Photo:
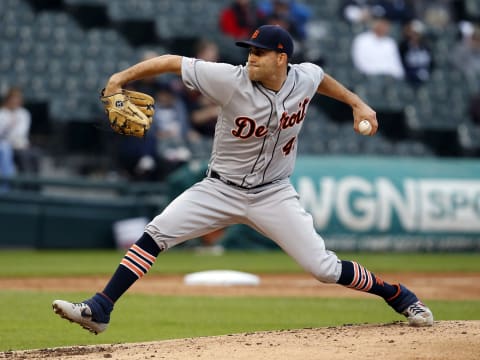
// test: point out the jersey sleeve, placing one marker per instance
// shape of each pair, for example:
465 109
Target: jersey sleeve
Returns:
314 72
217 81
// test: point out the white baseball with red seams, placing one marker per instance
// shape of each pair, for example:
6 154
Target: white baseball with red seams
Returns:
364 127
253 156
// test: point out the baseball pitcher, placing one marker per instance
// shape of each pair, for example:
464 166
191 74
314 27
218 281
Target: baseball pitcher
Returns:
263 107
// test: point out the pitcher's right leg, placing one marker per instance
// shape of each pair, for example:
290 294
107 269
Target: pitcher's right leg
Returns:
197 211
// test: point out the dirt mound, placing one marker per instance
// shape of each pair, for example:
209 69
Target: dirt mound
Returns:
459 340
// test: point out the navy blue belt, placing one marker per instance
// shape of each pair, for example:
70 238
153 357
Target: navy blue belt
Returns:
215 175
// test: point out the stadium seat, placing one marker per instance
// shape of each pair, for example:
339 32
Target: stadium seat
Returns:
86 2
468 134
49 53
472 8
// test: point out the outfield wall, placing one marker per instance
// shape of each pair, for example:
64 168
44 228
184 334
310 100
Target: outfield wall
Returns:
392 203
357 203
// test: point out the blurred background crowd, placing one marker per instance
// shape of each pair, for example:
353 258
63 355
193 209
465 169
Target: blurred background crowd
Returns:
416 62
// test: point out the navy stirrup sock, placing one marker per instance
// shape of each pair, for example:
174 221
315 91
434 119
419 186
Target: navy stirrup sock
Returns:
357 277
136 263
101 308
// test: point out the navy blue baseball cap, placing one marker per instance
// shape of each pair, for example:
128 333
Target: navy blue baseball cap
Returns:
271 37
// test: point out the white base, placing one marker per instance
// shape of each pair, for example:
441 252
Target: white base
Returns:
221 278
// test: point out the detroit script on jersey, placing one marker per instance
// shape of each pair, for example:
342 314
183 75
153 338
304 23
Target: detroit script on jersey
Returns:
246 127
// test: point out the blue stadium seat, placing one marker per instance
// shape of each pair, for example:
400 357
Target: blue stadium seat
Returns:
49 53
468 134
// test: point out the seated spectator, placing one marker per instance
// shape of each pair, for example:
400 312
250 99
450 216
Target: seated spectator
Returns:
172 129
416 55
474 109
295 16
239 19
15 121
466 55
375 52
137 158
356 11
165 146
436 15
362 11
7 166
399 11
147 85
203 112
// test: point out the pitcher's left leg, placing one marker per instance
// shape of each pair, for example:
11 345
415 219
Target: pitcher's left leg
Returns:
401 299
292 228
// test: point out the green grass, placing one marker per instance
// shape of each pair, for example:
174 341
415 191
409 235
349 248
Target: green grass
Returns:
27 321
68 263
148 317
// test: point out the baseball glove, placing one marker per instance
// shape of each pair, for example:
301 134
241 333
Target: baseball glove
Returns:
143 101
125 116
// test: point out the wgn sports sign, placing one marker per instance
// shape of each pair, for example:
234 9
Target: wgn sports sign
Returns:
392 203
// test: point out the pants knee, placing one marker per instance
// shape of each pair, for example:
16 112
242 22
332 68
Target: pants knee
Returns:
325 278
327 270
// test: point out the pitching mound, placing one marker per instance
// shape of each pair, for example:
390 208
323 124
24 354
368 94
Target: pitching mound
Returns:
459 340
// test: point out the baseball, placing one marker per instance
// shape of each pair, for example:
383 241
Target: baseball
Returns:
365 128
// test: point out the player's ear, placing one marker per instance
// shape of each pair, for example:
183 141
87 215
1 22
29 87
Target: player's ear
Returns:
282 58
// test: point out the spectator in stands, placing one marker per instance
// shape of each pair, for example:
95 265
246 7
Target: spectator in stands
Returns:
172 129
362 11
399 11
15 121
165 146
239 19
436 14
375 52
466 55
137 158
147 85
203 112
474 108
290 15
416 55
7 166
295 15
356 11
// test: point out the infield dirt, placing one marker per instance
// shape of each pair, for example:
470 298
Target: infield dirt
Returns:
459 340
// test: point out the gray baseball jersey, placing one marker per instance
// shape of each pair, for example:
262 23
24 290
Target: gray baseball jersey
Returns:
253 155
257 129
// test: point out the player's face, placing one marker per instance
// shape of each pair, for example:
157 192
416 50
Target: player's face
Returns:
263 65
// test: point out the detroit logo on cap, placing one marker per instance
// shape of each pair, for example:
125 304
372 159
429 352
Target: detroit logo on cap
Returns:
272 37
